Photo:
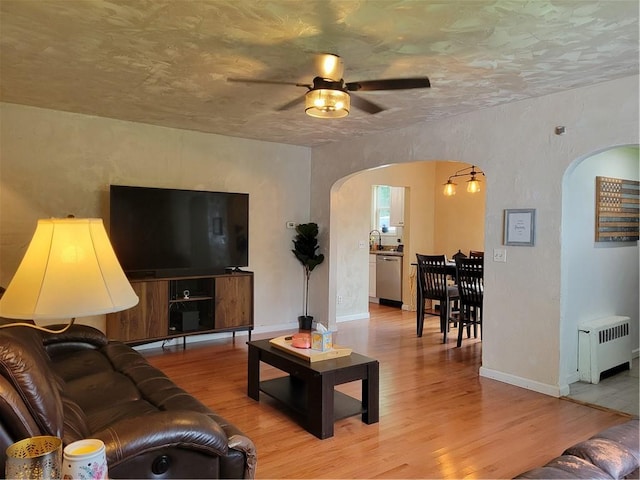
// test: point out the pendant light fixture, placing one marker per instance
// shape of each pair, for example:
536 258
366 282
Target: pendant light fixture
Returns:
473 184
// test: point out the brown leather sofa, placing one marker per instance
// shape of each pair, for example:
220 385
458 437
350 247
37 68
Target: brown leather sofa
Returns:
79 385
612 453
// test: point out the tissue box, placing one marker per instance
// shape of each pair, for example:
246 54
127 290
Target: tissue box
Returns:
321 341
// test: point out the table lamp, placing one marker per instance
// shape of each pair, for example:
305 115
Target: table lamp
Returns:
69 270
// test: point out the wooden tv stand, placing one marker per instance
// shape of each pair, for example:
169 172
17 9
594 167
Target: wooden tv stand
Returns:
184 306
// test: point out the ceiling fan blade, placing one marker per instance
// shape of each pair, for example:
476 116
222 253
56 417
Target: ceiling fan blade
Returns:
389 84
291 104
365 105
269 82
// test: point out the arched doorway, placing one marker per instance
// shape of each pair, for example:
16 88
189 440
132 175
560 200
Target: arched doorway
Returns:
433 224
598 279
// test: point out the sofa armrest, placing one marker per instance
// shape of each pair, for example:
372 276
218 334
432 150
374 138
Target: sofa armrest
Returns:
245 445
190 430
133 436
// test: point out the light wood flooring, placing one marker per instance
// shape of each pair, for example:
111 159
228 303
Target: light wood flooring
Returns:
438 418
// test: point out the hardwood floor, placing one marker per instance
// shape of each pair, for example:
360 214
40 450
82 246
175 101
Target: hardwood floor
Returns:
438 418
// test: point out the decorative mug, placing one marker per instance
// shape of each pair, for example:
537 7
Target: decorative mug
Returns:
85 460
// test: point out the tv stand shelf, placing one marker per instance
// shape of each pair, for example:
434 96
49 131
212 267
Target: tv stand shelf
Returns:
190 299
184 306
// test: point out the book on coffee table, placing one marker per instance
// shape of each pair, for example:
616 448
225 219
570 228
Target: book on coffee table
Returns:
284 343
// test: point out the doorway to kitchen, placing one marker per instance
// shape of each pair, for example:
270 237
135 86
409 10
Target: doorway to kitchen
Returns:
386 249
433 223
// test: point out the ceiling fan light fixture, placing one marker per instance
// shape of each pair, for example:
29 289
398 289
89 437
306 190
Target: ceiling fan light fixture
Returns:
329 66
327 103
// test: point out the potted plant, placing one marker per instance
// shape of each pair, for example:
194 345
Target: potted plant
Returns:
305 249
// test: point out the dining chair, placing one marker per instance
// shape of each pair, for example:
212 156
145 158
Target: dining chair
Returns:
476 254
458 254
470 275
433 284
453 257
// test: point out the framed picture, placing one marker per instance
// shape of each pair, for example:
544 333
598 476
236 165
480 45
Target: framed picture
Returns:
520 227
617 210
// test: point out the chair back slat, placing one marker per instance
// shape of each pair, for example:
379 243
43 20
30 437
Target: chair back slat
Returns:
432 276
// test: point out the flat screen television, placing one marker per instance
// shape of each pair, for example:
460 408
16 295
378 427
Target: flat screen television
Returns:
160 232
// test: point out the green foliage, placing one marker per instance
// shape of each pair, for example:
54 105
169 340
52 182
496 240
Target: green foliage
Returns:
305 248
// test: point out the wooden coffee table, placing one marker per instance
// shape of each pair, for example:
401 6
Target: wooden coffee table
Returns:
309 390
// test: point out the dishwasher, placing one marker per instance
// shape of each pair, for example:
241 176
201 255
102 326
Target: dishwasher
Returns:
389 277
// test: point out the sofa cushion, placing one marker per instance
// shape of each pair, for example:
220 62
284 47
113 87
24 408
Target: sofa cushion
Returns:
625 434
75 421
608 455
26 365
566 466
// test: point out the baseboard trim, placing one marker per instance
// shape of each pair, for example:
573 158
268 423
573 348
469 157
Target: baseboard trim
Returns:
355 316
551 390
573 378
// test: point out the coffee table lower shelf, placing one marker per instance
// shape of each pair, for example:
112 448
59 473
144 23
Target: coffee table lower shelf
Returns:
291 392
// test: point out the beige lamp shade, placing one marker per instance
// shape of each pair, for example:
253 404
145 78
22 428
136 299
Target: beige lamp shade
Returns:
69 270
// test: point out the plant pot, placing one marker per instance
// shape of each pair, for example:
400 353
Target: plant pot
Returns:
305 322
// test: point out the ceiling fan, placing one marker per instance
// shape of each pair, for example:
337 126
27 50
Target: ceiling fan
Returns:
329 96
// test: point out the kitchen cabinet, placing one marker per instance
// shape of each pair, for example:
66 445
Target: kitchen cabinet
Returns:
372 276
397 207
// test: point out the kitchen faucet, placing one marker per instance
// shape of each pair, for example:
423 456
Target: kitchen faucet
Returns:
379 238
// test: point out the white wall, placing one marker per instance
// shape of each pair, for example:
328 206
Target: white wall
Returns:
525 162
55 163
599 279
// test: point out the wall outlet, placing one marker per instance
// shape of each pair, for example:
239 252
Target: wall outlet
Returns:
362 244
339 299
291 224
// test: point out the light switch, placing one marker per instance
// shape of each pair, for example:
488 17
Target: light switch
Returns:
499 255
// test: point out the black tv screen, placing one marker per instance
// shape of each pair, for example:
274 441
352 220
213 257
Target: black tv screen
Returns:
159 232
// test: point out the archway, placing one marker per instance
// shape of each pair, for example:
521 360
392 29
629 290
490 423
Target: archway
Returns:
432 225
597 279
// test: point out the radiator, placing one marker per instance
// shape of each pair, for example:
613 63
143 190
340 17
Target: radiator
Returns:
603 344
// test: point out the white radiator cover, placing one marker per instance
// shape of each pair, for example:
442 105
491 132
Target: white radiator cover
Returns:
603 344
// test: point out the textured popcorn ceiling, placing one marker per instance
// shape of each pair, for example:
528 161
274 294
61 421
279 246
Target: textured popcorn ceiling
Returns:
166 62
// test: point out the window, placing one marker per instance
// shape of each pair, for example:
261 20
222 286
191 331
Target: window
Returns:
381 210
